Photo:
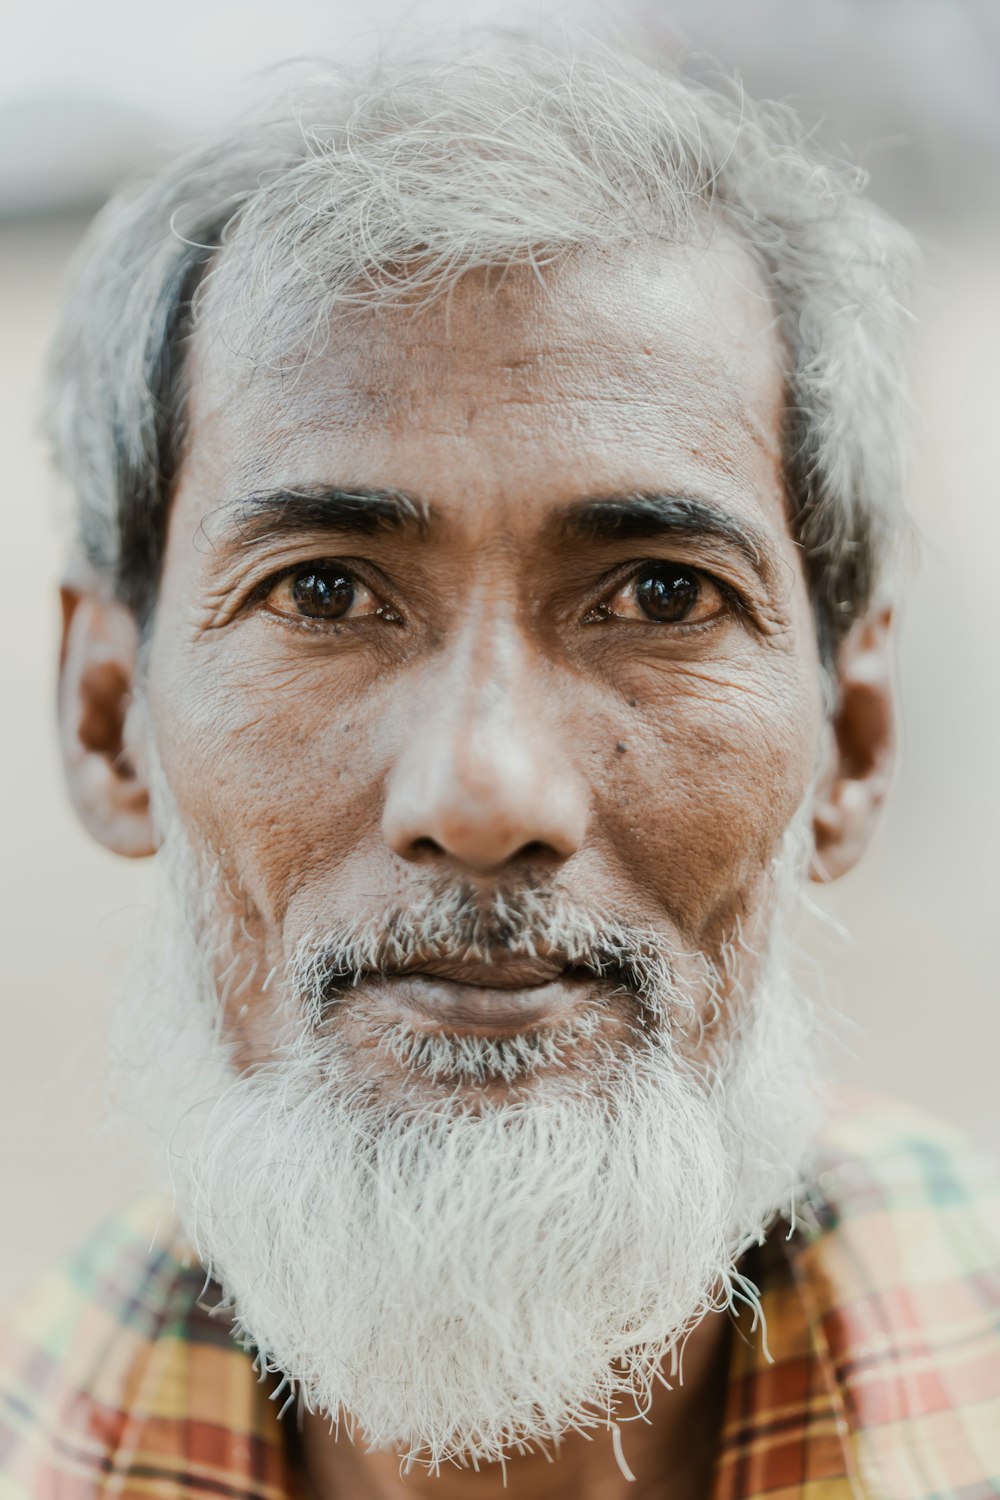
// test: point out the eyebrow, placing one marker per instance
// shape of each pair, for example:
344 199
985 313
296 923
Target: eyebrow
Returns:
355 510
363 511
637 517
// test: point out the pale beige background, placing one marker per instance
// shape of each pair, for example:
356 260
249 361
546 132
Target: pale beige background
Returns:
918 975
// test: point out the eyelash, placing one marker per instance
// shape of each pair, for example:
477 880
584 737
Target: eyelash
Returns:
360 572
734 601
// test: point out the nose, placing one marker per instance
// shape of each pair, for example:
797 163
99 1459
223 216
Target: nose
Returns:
485 780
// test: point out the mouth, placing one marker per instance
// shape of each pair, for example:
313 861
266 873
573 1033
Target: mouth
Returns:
501 996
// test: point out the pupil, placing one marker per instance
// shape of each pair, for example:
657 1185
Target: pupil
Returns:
667 594
324 594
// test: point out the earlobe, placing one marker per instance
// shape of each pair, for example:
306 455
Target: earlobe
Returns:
861 752
98 662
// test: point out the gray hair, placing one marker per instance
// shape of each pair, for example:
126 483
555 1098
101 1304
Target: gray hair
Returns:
349 190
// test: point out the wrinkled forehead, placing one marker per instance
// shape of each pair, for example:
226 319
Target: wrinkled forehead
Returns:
664 352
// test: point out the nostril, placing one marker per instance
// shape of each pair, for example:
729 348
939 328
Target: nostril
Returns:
426 846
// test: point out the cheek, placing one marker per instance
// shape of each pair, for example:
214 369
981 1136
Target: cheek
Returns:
713 770
271 767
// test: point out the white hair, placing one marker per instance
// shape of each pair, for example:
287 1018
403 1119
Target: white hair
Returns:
355 189
464 1276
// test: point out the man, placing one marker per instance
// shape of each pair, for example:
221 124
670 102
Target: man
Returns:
487 477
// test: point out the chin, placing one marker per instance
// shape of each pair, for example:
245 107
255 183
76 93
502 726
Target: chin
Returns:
414 1059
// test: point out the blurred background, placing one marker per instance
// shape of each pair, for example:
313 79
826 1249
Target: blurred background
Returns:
906 947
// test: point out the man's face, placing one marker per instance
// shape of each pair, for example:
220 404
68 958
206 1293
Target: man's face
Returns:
581 660
482 713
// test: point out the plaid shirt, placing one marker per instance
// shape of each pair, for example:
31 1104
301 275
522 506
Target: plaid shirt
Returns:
876 1372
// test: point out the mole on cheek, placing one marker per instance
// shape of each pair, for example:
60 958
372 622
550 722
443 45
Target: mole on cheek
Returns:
621 747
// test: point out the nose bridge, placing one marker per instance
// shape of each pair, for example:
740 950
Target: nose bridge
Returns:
493 679
484 774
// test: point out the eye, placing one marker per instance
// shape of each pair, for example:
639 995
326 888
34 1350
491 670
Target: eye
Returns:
322 591
664 593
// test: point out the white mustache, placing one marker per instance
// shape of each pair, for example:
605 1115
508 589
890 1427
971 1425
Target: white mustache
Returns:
448 929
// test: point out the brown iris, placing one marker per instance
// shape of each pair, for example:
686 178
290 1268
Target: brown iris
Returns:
323 593
667 593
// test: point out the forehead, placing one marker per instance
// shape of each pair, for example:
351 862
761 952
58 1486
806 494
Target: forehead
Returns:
656 367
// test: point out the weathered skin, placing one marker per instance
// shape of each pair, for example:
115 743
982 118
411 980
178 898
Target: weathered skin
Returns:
498 725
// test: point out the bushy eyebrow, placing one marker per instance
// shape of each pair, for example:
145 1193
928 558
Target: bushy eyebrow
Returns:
641 517
356 510
363 511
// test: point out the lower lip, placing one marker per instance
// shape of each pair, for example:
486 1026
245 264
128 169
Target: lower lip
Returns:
478 1009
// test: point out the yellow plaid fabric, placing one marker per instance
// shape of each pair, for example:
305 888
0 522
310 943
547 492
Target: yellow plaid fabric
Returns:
874 1373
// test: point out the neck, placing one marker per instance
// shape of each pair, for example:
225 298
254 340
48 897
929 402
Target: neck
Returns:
674 1445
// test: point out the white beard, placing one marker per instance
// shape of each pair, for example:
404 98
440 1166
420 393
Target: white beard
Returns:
463 1283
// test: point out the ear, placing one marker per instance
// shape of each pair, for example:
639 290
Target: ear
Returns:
97 667
861 751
